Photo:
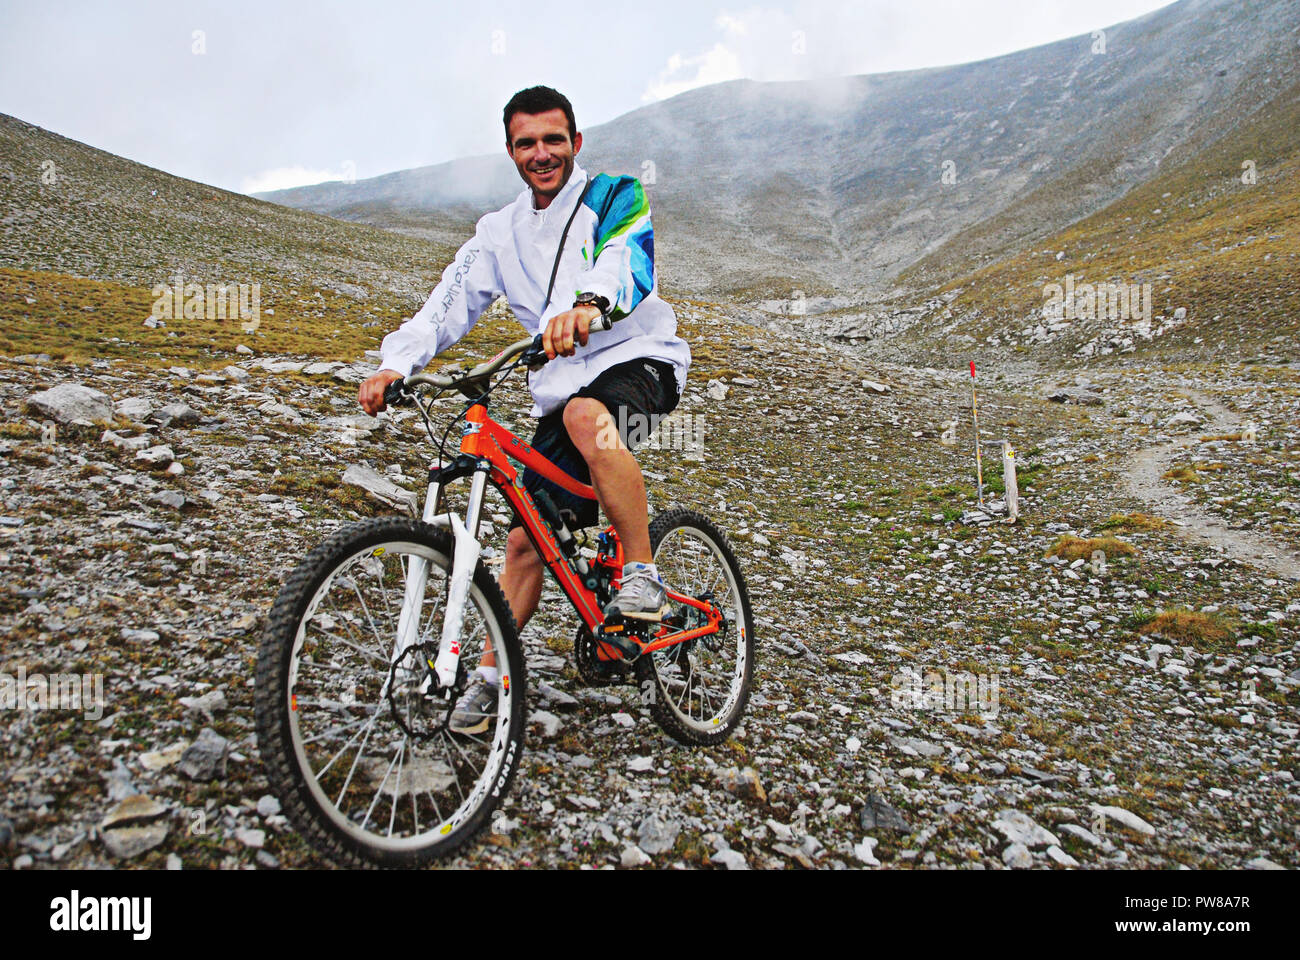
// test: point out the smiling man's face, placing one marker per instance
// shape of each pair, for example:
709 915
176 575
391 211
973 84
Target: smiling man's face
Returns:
540 147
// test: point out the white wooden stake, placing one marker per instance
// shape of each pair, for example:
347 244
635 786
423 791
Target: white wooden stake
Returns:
975 417
1009 480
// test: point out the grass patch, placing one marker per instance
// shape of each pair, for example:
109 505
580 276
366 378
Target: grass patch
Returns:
1138 619
1221 436
1189 626
1182 474
1075 548
20 431
1134 521
1026 474
76 319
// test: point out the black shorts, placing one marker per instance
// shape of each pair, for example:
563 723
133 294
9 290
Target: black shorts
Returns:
638 394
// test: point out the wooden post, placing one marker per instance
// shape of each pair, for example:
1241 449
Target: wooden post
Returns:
975 416
1009 480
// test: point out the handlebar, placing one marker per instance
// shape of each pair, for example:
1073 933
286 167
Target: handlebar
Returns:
398 392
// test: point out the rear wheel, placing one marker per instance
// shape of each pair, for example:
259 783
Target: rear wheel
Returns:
697 690
360 756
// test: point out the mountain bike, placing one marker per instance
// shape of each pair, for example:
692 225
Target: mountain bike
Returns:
373 637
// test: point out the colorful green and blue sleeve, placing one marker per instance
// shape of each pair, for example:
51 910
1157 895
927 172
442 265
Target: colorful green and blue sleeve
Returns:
623 258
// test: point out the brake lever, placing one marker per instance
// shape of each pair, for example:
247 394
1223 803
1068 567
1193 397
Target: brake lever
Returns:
396 394
534 358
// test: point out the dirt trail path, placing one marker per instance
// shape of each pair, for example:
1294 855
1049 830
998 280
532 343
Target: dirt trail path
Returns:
1143 478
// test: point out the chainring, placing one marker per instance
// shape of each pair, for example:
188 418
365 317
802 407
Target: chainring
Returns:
594 671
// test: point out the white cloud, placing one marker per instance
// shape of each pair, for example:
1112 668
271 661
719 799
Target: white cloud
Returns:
715 65
816 39
281 178
758 43
732 25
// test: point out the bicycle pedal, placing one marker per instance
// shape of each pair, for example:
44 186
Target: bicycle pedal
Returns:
625 636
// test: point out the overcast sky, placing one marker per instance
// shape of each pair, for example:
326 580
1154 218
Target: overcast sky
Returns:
256 96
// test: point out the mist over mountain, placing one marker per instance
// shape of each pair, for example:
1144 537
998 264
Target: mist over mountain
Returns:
838 187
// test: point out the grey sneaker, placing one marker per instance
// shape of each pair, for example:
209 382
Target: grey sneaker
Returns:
640 597
476 707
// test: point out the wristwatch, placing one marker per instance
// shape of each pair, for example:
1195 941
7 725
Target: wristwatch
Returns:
593 300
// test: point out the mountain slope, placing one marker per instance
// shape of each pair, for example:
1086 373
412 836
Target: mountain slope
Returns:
1225 251
88 231
835 187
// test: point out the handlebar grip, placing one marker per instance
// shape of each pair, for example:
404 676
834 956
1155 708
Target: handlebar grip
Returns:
395 394
534 357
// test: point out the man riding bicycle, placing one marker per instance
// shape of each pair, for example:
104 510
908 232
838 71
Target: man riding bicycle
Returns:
567 250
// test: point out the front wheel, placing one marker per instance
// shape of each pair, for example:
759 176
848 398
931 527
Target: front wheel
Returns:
697 690
357 750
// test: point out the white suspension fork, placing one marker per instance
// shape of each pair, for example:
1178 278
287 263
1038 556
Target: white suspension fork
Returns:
465 554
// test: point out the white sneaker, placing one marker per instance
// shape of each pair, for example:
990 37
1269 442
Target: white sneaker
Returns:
640 597
476 707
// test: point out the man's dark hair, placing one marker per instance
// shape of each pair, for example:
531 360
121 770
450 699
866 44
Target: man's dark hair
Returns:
539 100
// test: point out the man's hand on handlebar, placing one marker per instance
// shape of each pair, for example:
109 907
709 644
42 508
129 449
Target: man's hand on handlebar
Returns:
564 333
371 394
564 330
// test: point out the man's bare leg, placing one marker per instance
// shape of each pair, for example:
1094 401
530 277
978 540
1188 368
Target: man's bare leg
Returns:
614 473
521 582
616 476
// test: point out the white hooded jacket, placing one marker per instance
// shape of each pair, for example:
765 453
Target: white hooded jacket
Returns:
609 251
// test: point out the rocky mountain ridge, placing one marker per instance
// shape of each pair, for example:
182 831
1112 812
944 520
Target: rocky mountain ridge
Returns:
840 187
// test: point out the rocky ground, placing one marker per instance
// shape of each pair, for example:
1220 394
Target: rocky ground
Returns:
1140 707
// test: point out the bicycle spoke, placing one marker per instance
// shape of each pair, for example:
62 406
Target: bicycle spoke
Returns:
415 803
397 792
349 643
355 760
354 745
713 584
369 724
451 762
375 800
437 811
388 603
704 689
366 609
348 626
333 731
321 666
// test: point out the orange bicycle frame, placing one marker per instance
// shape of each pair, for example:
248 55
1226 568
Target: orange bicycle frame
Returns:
490 444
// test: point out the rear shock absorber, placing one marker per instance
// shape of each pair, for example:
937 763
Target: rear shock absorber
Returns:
563 535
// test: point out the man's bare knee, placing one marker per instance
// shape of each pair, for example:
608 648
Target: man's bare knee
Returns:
519 550
591 426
